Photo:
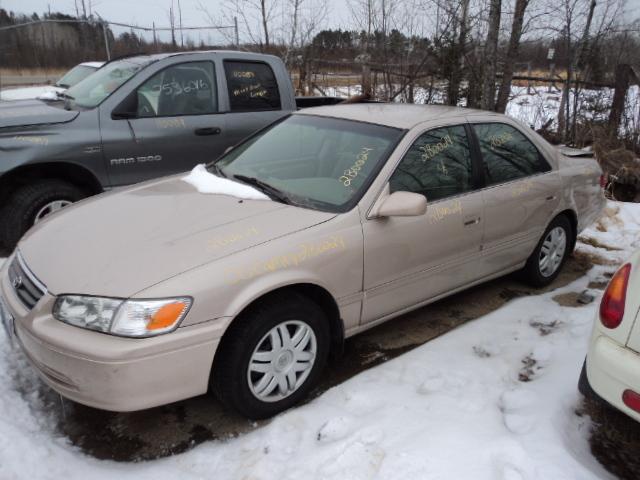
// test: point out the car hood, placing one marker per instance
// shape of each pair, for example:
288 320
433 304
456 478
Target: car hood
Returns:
32 112
120 243
27 93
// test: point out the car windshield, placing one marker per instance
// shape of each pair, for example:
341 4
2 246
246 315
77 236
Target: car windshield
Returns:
94 89
316 162
73 76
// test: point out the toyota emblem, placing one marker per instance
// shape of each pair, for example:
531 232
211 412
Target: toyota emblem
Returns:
17 281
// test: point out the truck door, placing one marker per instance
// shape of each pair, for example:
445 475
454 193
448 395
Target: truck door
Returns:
176 124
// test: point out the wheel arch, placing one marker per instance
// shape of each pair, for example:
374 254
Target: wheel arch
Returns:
572 216
73 173
312 291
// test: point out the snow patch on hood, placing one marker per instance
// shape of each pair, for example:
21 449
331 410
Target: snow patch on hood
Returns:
207 182
49 95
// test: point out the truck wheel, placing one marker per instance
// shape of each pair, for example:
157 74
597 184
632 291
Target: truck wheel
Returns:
544 264
272 356
30 203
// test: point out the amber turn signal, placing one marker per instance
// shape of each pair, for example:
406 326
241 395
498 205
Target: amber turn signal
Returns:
166 316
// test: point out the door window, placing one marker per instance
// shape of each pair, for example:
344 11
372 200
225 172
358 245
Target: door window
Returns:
438 165
507 153
252 86
183 89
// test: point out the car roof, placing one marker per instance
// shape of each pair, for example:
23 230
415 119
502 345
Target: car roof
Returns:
397 115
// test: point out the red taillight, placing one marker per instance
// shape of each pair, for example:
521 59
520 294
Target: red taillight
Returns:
603 180
613 300
632 400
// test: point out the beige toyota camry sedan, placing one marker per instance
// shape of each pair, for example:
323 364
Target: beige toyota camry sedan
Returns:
243 276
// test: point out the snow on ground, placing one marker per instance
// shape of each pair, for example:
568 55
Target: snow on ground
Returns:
456 407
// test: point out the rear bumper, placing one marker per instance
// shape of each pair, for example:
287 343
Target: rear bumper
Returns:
610 370
109 372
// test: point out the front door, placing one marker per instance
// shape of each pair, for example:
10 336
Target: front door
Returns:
408 260
176 125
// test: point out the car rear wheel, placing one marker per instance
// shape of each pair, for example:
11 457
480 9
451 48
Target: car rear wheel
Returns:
30 204
272 356
545 263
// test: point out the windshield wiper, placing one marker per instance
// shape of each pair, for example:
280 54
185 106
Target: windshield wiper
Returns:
270 190
65 95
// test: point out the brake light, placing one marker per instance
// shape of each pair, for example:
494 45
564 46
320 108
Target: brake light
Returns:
632 400
612 305
603 180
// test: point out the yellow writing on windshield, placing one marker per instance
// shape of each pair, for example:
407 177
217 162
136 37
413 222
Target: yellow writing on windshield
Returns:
354 170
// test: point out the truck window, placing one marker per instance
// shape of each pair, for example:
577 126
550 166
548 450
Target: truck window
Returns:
252 86
183 89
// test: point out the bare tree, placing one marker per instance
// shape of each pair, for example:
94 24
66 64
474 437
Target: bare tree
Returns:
491 56
512 54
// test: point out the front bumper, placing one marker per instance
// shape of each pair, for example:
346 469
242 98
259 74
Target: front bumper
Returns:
610 370
109 372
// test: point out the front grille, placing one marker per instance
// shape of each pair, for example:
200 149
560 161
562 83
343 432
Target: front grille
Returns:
25 284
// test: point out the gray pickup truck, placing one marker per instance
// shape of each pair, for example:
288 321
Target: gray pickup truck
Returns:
135 119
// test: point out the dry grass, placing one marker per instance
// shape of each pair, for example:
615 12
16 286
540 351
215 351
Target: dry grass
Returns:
21 72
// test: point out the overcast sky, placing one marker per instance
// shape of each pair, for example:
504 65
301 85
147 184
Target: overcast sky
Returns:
144 12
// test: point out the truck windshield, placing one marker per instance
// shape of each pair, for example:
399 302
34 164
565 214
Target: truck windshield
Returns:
315 162
94 89
75 75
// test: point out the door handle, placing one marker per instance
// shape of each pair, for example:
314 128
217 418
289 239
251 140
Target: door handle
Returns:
472 221
207 131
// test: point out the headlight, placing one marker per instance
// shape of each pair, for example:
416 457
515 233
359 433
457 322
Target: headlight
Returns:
130 318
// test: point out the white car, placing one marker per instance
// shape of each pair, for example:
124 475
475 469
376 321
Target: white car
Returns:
612 368
50 92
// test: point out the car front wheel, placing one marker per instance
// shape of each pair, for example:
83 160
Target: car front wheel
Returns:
272 356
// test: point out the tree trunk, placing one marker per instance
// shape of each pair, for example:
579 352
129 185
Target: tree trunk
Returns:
491 56
265 27
623 72
458 57
512 53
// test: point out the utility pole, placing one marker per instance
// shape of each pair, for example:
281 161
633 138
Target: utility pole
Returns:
237 34
180 19
106 39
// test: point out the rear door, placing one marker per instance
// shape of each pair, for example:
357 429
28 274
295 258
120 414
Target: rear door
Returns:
408 260
521 194
177 125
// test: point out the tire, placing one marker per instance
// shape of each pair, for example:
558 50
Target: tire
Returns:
533 273
236 386
26 202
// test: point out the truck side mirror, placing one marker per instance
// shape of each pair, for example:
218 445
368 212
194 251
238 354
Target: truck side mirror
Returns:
127 109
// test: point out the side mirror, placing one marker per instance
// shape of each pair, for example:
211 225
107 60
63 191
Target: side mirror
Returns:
403 204
127 109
